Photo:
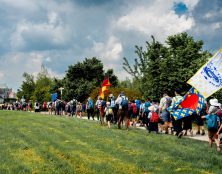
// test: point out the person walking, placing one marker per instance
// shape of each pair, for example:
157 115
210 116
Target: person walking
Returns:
98 107
199 121
36 106
177 124
89 108
79 110
109 113
122 113
165 102
213 123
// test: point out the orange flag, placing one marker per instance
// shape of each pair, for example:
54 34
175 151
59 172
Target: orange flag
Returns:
105 87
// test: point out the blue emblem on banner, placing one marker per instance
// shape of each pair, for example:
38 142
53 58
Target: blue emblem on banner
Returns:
211 75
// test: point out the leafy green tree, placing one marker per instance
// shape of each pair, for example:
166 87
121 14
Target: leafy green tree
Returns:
146 69
27 88
161 67
43 85
82 78
185 59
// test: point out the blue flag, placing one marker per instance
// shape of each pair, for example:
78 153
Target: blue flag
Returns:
190 104
54 96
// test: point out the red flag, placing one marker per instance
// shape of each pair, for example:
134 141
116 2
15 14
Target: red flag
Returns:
106 82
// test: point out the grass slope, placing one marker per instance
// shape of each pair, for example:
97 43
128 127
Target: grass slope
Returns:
33 143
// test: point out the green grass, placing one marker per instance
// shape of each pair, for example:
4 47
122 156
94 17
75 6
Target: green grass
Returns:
33 143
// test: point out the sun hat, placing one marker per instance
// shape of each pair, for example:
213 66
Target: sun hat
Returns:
151 108
214 102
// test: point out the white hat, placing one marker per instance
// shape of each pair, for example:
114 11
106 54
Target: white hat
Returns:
151 108
214 102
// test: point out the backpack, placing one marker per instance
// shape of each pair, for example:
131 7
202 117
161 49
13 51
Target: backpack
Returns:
168 102
124 102
130 108
212 122
113 103
134 108
138 104
90 104
147 104
154 117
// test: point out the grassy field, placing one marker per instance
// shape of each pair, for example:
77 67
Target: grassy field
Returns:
33 143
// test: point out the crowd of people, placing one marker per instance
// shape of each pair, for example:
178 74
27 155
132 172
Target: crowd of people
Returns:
151 114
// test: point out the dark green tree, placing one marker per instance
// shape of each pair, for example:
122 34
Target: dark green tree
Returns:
112 77
82 78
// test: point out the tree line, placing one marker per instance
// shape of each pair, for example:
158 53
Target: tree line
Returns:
157 68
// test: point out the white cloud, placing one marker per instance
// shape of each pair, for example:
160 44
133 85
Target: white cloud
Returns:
109 51
53 74
217 25
39 36
15 64
158 20
212 14
28 5
208 15
122 75
60 33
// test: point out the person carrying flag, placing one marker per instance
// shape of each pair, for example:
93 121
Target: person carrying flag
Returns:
165 102
177 124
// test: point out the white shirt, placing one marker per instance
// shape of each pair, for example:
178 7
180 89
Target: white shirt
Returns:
36 107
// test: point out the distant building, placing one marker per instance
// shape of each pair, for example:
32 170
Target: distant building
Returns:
6 93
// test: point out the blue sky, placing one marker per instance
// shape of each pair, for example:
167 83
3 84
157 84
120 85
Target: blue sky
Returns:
58 33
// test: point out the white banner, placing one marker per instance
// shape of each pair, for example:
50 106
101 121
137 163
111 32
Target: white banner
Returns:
208 79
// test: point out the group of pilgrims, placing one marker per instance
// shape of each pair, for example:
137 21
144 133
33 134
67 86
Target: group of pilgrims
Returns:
151 114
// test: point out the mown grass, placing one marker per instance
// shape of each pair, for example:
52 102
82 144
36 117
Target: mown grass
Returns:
34 143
